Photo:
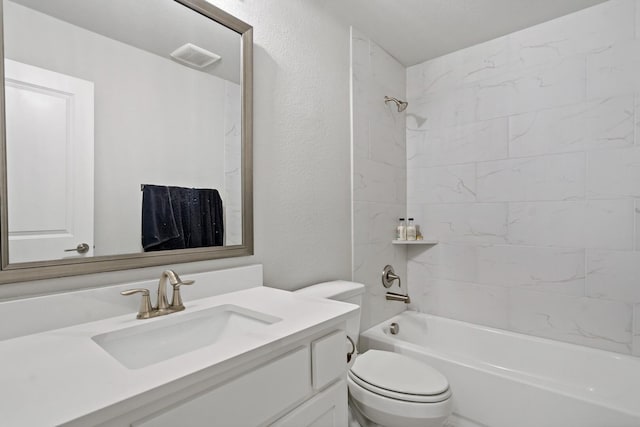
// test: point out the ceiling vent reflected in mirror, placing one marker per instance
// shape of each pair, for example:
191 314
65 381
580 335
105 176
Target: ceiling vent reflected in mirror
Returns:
194 56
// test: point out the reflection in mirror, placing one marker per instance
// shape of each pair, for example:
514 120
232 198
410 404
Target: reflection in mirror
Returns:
120 138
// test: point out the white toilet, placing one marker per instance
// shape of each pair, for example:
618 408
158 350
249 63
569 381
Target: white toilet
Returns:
385 388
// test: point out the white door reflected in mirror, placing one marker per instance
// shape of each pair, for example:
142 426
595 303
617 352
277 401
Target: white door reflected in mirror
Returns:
49 165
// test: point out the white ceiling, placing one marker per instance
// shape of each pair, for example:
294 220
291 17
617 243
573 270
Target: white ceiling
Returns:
414 31
151 25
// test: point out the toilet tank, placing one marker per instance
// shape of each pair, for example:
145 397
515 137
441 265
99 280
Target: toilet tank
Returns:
339 290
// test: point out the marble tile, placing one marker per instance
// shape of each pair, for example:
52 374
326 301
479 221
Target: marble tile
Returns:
579 320
469 143
444 261
458 68
613 275
232 165
614 70
375 222
432 76
360 54
469 302
377 182
614 174
445 109
605 123
387 139
360 133
444 184
485 60
422 266
379 173
637 224
553 177
387 72
360 87
465 222
376 309
637 113
415 149
532 89
548 117
552 270
414 79
596 224
587 30
369 260
636 330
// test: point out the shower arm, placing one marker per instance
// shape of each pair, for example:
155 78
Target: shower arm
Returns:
402 105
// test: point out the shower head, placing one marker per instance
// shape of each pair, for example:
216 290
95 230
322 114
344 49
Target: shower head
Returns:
402 105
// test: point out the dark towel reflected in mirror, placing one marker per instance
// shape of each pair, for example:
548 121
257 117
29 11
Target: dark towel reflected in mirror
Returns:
181 218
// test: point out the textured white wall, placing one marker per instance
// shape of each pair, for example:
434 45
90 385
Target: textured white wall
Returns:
379 174
301 141
523 160
302 152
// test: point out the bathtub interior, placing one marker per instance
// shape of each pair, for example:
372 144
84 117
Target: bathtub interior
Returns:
601 377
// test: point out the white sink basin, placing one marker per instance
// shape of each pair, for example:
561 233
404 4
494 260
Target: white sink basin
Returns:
148 343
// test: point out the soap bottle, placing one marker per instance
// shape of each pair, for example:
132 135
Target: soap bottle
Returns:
401 230
411 230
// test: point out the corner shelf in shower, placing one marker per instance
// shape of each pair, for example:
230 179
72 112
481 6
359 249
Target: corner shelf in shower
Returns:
415 242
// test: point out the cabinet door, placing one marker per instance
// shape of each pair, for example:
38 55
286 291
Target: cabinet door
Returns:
328 359
326 409
247 401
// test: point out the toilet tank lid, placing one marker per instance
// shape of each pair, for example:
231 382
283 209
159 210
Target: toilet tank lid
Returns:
337 290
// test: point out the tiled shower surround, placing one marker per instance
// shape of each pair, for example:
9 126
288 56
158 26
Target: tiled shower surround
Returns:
523 160
379 173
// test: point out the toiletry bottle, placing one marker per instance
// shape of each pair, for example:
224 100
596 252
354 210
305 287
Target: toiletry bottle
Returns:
401 230
411 230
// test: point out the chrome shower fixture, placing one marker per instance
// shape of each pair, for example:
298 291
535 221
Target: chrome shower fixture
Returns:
402 105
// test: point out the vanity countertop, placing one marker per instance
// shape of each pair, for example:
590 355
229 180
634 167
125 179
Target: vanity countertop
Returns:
54 377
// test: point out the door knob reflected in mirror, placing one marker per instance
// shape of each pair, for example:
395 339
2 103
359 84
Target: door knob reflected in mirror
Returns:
82 248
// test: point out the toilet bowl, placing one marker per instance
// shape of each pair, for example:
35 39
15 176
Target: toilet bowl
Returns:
388 389
391 389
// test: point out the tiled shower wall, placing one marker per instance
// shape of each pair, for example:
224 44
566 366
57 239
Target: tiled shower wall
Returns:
524 161
379 173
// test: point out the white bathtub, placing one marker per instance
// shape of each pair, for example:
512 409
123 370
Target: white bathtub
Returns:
505 379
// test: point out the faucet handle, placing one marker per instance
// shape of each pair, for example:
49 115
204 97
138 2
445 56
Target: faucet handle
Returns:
388 277
146 308
176 298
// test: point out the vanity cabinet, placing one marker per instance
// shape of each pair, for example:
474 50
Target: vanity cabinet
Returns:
247 400
253 357
327 409
303 385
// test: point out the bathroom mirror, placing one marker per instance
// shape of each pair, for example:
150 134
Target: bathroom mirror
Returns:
126 136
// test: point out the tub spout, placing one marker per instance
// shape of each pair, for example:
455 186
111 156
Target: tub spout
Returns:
392 296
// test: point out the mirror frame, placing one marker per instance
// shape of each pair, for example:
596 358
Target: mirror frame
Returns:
20 272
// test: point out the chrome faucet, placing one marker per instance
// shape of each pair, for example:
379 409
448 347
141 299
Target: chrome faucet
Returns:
388 277
162 306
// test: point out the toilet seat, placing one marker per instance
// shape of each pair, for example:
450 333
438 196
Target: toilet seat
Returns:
399 377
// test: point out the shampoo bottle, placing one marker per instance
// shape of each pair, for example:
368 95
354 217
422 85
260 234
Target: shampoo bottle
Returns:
411 230
401 230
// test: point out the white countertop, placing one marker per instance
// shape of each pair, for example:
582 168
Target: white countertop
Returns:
54 377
